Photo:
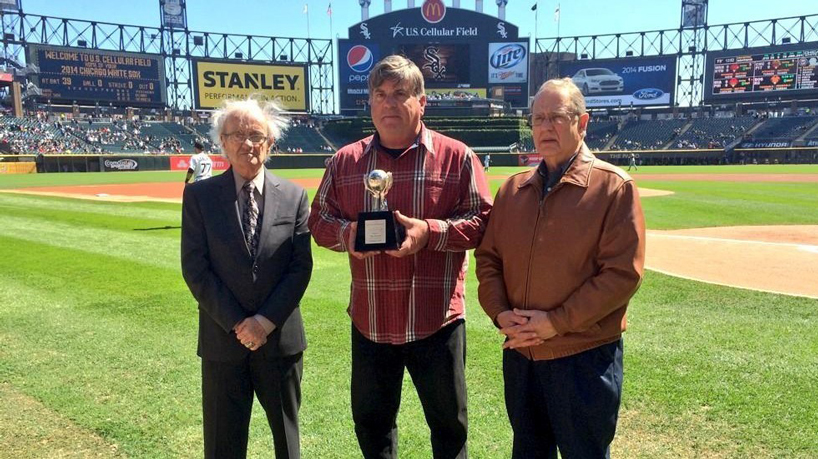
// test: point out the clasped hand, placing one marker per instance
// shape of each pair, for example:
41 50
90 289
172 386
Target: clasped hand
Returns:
251 334
525 327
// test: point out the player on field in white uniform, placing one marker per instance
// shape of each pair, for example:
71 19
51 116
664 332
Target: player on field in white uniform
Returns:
201 166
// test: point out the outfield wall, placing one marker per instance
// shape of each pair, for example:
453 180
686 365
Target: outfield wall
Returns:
146 162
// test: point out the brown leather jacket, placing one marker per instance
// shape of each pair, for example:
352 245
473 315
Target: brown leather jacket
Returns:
578 254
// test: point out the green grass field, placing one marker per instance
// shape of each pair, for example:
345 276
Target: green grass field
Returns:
98 338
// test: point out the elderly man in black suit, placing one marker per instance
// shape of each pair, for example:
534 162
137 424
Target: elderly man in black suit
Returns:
246 258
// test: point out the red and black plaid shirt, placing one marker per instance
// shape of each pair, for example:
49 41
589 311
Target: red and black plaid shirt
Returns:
438 179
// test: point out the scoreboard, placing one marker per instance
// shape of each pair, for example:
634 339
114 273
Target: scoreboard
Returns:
94 76
789 71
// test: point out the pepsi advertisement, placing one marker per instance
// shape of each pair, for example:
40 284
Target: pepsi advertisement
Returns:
354 65
637 82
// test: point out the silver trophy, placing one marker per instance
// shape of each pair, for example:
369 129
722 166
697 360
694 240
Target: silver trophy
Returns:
377 229
378 183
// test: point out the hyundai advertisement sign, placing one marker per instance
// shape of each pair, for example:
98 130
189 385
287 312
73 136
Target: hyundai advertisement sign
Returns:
508 62
357 59
638 82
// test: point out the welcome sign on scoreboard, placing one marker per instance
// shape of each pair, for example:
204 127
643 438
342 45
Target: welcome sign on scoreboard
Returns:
91 76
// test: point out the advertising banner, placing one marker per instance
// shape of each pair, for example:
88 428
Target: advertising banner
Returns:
637 81
529 160
173 13
508 62
218 80
354 63
182 162
18 168
90 76
120 164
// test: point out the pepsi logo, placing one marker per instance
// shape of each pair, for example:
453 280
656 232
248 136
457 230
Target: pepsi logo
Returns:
508 56
360 59
433 11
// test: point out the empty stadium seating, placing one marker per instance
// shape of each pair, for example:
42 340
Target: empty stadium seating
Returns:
713 132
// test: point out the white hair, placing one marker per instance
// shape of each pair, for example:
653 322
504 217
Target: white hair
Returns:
268 111
570 88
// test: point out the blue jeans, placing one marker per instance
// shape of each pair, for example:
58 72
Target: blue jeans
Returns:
571 403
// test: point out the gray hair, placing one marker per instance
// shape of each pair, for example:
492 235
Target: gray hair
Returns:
397 69
269 111
566 85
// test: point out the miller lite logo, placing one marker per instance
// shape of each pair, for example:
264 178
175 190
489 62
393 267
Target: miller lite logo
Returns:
360 59
433 11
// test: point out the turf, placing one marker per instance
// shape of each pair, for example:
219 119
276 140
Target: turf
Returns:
98 330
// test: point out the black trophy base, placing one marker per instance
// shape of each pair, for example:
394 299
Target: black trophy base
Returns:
378 231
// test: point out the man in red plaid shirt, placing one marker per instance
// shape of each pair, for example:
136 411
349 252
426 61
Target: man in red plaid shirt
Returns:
407 305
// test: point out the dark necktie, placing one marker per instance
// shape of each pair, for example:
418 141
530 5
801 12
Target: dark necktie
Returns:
249 219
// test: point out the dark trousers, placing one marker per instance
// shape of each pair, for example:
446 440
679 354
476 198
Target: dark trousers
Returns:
227 399
437 367
571 403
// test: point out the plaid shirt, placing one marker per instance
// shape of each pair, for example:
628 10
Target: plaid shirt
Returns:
438 179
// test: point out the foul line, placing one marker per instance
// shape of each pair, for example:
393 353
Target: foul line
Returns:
776 292
806 247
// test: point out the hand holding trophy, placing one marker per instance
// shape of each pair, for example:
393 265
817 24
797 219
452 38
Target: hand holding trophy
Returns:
377 229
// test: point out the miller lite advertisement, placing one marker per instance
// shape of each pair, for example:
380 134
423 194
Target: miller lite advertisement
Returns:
508 62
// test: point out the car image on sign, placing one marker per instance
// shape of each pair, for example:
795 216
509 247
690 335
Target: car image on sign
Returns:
598 80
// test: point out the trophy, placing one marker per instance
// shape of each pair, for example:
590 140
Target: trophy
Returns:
377 229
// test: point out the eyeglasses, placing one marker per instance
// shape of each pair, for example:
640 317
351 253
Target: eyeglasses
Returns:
240 137
555 119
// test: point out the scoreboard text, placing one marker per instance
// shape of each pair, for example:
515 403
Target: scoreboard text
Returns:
86 76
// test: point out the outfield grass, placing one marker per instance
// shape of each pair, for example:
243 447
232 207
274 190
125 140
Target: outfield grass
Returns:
98 336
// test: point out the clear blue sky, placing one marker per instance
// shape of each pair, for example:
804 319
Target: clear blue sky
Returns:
285 18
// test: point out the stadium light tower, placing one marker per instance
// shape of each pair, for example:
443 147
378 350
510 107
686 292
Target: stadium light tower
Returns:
364 9
387 6
501 9
478 6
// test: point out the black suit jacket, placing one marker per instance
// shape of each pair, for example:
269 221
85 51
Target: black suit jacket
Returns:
227 284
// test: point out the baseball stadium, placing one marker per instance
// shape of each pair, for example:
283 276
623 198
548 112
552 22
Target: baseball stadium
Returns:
717 123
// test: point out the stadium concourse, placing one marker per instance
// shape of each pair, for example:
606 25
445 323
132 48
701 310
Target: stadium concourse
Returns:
762 137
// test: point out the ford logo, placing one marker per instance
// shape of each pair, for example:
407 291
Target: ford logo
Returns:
648 94
508 56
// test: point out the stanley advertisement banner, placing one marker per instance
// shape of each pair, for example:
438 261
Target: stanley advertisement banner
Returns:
216 81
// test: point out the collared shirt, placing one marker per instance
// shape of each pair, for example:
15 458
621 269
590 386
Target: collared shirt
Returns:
550 179
258 181
438 179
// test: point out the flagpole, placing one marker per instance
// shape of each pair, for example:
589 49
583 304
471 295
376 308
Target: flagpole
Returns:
307 10
536 23
558 20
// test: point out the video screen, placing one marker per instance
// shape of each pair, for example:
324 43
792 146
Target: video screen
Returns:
781 71
81 75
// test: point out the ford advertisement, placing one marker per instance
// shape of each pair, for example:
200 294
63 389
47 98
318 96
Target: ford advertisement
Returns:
626 82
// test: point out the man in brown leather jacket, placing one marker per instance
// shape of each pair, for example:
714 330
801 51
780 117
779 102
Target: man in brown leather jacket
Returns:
562 255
